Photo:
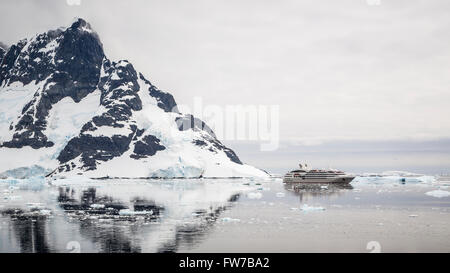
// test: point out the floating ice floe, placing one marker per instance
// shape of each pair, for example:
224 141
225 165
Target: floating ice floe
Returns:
35 205
45 212
305 207
394 179
280 194
438 193
13 197
413 215
97 206
231 220
254 195
131 212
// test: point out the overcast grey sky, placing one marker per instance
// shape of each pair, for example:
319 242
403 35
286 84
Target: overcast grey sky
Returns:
340 70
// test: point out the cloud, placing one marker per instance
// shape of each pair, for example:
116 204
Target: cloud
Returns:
338 69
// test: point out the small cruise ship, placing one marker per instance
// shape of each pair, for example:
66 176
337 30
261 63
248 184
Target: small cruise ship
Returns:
306 175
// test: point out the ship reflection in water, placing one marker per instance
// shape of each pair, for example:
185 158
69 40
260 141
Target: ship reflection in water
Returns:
307 191
133 217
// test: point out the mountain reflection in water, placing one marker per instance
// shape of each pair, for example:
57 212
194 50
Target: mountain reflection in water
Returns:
141 217
219 215
30 231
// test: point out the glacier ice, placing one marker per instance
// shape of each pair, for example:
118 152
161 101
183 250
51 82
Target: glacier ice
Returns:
24 172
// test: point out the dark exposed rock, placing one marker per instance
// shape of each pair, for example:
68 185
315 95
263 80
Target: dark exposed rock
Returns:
74 54
34 139
210 140
119 96
148 146
94 148
120 85
188 121
200 142
230 153
165 100
119 88
8 62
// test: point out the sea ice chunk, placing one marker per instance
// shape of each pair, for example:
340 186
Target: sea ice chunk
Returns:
45 212
254 195
305 207
228 219
280 194
97 206
35 205
130 212
438 193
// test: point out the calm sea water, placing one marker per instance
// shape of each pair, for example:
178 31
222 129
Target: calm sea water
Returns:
224 215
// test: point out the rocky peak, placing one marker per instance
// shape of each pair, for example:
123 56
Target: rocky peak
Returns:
3 49
81 24
75 51
65 62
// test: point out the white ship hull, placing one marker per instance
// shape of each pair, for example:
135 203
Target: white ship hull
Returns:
306 179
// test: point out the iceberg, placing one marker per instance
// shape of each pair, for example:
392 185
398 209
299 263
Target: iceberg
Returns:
24 172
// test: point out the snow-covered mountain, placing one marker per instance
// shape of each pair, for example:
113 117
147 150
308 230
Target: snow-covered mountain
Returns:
67 108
